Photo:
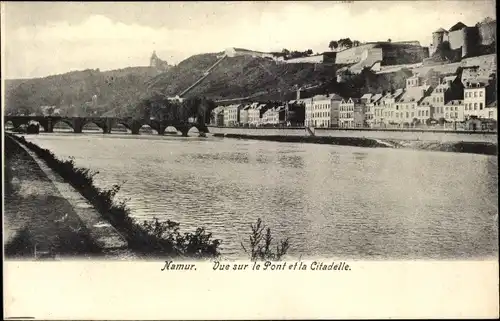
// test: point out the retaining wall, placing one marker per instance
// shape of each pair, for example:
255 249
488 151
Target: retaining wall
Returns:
423 135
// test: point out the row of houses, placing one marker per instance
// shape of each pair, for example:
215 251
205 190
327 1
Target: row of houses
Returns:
423 101
258 114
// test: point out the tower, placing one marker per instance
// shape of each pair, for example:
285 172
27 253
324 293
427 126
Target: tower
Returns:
153 61
438 37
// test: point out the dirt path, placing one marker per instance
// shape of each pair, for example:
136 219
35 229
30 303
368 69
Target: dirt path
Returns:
36 216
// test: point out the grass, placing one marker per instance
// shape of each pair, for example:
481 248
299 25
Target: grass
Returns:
150 238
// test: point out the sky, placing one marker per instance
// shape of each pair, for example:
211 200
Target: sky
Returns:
46 38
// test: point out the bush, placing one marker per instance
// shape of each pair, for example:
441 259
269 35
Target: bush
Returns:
260 244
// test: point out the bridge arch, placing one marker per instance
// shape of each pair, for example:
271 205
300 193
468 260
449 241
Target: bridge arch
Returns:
121 127
9 124
171 130
90 123
59 124
147 129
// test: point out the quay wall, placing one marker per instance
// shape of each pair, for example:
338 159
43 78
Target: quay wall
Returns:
422 135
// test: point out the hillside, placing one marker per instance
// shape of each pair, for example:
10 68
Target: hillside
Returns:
118 92
240 76
73 92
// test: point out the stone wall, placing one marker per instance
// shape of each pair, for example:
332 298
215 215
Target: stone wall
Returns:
488 32
442 136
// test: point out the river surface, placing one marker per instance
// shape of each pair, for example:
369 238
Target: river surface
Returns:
331 201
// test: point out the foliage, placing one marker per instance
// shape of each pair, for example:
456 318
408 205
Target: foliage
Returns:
260 247
333 45
195 245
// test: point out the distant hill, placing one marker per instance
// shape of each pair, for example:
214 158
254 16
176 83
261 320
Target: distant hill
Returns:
79 92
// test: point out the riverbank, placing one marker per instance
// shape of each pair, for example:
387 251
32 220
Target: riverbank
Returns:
484 148
149 239
38 221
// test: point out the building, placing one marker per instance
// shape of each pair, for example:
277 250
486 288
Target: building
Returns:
450 88
295 113
244 119
352 113
217 116
232 115
490 112
323 111
406 108
477 94
370 102
385 108
454 111
467 40
255 114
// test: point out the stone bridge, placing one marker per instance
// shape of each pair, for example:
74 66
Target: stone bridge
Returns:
105 123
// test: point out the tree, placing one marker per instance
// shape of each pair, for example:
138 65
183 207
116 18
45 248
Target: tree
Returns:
389 40
347 43
286 52
356 43
309 52
333 45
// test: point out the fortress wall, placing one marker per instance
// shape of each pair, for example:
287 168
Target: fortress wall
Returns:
488 32
488 61
456 39
311 59
352 55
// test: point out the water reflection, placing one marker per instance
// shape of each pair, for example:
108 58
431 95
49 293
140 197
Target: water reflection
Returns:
330 200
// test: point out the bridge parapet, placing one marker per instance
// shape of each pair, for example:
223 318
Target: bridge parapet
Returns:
106 123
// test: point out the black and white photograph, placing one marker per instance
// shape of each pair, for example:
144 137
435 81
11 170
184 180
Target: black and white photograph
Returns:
271 132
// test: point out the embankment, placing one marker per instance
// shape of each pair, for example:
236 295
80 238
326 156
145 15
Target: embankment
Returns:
147 239
384 134
348 141
485 148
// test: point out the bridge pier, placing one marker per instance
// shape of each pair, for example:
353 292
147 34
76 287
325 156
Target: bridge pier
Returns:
161 129
136 127
184 131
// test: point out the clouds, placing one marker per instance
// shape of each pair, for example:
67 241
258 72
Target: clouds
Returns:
109 39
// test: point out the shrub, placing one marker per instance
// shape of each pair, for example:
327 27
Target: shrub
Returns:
260 244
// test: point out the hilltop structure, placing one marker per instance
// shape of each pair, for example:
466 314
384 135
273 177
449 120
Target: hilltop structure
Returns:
467 40
157 63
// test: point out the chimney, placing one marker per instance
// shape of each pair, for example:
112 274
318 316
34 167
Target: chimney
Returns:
298 93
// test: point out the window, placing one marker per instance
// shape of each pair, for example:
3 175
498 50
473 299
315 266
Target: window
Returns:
456 115
481 93
475 106
446 115
475 94
480 106
426 113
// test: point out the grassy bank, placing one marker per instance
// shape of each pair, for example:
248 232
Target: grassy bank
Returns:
38 222
347 141
150 238
483 148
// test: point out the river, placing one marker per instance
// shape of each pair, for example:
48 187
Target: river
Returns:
331 201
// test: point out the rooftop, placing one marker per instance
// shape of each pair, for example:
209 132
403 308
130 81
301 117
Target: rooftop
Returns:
440 30
455 102
458 26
